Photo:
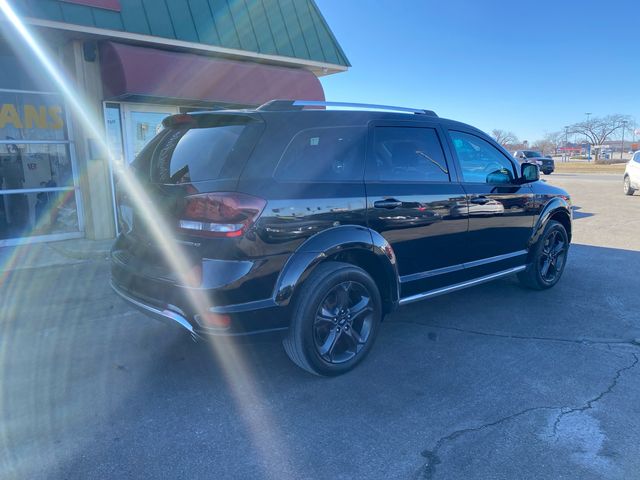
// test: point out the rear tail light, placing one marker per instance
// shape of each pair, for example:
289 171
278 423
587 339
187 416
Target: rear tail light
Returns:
220 214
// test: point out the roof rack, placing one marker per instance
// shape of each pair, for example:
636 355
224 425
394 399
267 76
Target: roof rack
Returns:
285 105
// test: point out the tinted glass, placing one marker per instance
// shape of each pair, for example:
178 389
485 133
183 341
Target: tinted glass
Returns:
408 154
481 162
530 154
636 157
192 155
331 154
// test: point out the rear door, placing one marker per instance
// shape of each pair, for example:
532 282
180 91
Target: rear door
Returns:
501 211
416 203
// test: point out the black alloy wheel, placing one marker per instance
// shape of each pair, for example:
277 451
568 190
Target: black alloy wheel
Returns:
343 322
336 315
554 254
547 258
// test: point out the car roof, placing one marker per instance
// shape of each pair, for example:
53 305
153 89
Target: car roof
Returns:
343 117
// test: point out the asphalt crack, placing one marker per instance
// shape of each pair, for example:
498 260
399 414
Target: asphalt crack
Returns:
589 404
578 341
433 459
429 469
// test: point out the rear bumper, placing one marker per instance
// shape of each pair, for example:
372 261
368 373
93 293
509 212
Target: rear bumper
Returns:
246 319
240 291
166 315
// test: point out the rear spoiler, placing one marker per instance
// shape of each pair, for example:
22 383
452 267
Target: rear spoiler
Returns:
205 119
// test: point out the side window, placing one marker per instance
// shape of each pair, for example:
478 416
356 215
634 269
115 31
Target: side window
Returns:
636 157
408 154
481 162
328 154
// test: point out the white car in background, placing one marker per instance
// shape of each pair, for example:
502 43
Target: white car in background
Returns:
632 175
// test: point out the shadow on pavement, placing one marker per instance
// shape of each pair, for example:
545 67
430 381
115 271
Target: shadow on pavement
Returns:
577 214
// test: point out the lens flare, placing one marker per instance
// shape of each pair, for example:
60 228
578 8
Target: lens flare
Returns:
267 441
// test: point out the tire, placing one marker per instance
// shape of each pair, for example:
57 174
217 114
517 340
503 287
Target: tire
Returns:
547 172
323 338
548 258
626 186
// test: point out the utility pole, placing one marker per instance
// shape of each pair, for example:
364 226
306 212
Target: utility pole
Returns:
566 142
624 124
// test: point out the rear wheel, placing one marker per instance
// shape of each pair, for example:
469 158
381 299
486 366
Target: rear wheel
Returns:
626 186
335 320
548 258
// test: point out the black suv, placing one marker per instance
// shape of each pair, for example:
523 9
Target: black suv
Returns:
547 165
319 222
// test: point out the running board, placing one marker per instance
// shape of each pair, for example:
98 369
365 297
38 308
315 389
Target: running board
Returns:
460 286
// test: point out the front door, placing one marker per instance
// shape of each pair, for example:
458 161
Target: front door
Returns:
501 211
416 204
141 124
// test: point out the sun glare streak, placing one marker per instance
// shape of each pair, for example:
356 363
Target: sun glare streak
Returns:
267 440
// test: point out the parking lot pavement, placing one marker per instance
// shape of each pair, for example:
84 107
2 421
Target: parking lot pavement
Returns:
491 382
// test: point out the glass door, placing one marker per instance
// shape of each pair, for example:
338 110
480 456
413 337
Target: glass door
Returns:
141 124
129 128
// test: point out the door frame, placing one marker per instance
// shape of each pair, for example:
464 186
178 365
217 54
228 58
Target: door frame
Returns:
125 138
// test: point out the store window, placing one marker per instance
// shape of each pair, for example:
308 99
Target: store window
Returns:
37 181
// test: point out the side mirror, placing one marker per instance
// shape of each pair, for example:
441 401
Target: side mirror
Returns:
530 173
499 177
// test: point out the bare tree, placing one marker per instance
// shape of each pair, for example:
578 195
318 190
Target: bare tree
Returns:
504 137
600 129
549 144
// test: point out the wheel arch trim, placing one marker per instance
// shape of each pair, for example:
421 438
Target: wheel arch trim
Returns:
556 205
331 242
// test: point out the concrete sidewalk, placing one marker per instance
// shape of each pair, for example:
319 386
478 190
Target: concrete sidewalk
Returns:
36 255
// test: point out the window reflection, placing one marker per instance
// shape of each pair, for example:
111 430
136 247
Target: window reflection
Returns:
38 213
34 166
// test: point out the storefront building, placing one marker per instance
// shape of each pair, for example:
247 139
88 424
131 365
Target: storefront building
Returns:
129 64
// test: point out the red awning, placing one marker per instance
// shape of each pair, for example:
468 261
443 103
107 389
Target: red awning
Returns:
129 71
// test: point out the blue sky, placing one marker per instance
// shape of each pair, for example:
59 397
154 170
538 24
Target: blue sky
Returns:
527 66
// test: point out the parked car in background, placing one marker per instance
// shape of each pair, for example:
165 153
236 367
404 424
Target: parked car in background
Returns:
631 179
319 222
546 164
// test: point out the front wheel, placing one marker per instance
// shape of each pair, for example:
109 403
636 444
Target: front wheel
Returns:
336 317
548 258
626 186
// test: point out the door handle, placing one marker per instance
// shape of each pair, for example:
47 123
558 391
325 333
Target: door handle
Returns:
480 200
387 203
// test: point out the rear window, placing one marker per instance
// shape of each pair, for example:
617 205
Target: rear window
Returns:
327 154
193 154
